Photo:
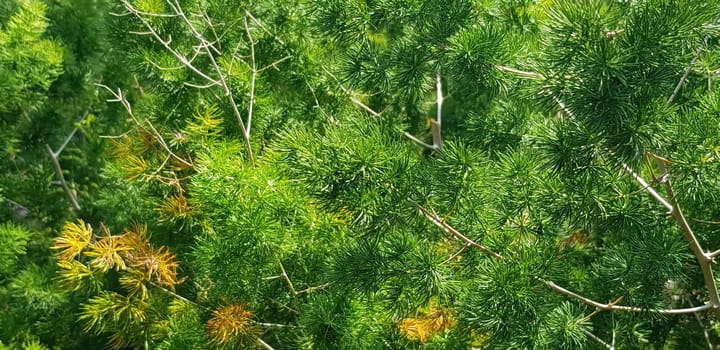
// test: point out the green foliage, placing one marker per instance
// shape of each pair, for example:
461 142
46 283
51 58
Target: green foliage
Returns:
29 63
258 187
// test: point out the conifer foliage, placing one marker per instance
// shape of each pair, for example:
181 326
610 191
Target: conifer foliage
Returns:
355 174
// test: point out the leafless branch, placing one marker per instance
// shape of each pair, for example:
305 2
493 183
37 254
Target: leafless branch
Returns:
451 257
647 187
312 289
353 99
705 332
439 222
274 64
55 158
264 345
122 100
597 339
519 73
435 125
686 73
612 307
253 67
287 279
705 260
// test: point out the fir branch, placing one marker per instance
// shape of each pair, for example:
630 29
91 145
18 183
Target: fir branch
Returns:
552 285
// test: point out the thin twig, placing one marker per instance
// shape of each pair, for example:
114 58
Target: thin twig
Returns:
419 142
55 157
705 332
611 307
439 222
648 188
178 296
353 99
686 73
597 339
252 77
312 289
519 73
124 102
287 279
451 257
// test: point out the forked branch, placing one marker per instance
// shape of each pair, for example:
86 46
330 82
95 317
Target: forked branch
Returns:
55 157
704 259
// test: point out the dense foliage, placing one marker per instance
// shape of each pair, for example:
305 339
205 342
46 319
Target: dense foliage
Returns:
356 174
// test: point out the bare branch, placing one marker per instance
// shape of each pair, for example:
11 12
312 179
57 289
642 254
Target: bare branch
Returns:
420 142
287 279
439 222
264 345
178 296
519 73
705 260
166 43
451 257
252 77
312 289
274 64
612 307
597 339
435 125
647 187
120 98
353 99
705 332
686 73
55 158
